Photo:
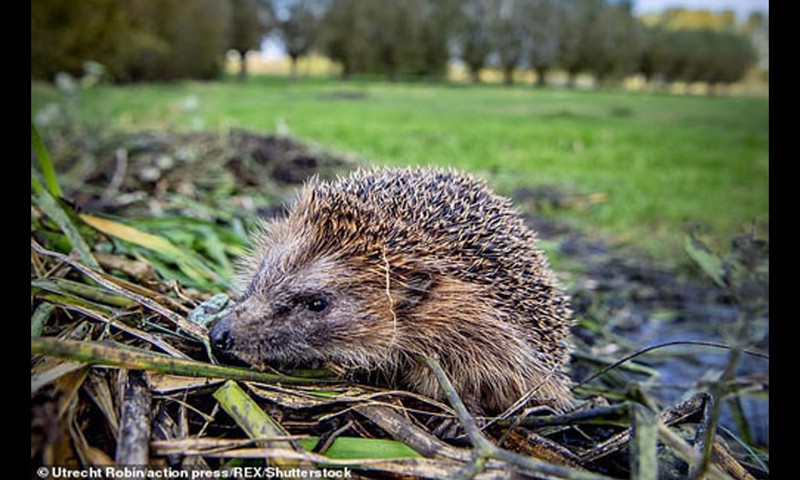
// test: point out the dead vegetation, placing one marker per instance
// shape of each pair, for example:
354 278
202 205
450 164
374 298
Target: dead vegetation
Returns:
144 232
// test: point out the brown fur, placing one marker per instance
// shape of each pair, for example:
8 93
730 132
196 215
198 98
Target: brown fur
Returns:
409 261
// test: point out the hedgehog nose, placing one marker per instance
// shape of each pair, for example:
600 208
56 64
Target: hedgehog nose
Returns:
220 336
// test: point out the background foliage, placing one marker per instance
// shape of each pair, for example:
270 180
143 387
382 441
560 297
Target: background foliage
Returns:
169 39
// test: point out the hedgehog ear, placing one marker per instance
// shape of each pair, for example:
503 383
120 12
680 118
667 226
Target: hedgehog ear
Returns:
415 287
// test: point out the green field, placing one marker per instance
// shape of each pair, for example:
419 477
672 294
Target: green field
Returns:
658 161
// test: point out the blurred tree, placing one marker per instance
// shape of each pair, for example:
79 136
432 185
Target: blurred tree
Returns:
473 36
168 39
65 34
197 34
731 55
440 21
577 21
610 41
599 37
698 59
395 32
625 43
251 20
346 29
544 24
298 29
710 56
142 40
678 65
655 55
757 28
390 38
755 21
508 29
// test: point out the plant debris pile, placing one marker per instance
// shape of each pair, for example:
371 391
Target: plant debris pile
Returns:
122 173
126 263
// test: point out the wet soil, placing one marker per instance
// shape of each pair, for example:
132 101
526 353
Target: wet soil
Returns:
638 303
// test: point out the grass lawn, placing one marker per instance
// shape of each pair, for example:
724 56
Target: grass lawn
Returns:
660 160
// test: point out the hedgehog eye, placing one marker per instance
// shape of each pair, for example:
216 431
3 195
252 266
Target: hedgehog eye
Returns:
316 304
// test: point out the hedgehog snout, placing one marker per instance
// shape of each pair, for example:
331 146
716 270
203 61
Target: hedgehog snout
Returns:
220 337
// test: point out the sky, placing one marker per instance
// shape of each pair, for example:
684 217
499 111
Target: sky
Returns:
741 7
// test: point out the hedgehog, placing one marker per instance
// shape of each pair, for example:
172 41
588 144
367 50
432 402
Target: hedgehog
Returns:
369 271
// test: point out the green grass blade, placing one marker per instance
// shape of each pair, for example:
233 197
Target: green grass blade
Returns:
215 249
708 262
255 422
643 453
52 209
134 358
347 448
36 185
133 235
68 287
189 264
258 424
61 299
45 163
39 318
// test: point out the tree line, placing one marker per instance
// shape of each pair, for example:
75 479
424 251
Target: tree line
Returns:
169 39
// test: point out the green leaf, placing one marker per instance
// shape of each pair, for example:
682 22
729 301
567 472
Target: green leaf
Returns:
36 185
344 448
46 164
708 262
52 209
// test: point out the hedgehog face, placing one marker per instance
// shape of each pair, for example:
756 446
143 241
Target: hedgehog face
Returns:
295 311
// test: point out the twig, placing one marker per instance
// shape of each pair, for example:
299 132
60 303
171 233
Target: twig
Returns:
725 461
724 273
663 345
672 416
404 431
327 439
685 451
572 418
121 156
484 449
712 411
534 445
133 440
702 439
